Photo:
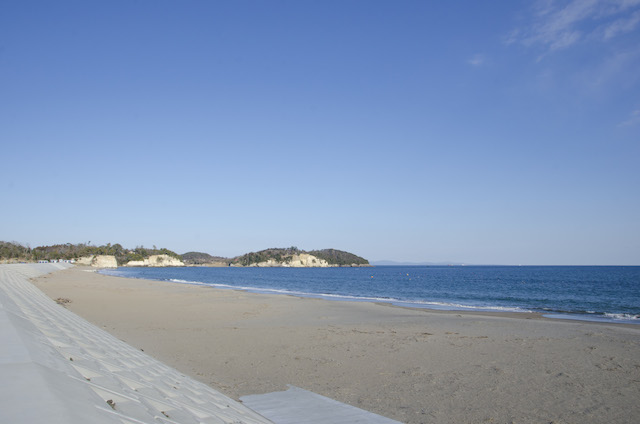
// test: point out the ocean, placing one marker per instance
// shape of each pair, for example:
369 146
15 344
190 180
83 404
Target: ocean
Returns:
593 293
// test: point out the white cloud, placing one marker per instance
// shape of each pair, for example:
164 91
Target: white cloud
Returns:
476 60
621 26
618 67
634 119
558 24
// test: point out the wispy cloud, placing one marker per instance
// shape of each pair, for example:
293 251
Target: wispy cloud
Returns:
600 40
617 67
558 24
634 119
476 60
621 26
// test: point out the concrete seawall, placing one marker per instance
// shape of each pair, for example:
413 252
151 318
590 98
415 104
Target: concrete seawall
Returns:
58 368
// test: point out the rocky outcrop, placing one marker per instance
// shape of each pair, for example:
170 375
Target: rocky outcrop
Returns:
303 260
98 261
157 261
104 261
306 260
85 260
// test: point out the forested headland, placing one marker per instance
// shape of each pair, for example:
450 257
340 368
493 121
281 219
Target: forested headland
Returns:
16 252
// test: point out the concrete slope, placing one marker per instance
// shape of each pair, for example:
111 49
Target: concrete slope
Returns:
55 367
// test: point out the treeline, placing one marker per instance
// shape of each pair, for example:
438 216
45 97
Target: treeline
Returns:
12 251
199 258
68 251
339 257
278 254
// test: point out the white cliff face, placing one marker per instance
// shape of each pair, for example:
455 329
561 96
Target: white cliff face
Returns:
98 261
306 260
85 260
303 260
157 261
266 264
104 261
164 260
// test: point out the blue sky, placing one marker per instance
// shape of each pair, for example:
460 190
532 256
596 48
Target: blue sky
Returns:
504 132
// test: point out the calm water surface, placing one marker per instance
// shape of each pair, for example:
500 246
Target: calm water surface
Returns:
574 292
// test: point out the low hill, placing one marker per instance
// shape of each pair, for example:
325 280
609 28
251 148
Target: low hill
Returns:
289 256
339 257
275 253
285 256
200 258
68 251
12 251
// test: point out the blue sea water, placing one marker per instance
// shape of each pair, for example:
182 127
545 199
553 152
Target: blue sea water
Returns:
610 294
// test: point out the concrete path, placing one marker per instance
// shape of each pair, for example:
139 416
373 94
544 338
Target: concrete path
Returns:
57 368
297 405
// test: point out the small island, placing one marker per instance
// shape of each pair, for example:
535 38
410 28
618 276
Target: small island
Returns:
296 258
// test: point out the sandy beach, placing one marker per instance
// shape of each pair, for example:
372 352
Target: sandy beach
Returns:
415 366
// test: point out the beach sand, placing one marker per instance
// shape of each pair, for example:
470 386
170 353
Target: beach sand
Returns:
415 366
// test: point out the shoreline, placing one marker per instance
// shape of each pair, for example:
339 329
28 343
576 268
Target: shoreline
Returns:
410 364
601 318
390 304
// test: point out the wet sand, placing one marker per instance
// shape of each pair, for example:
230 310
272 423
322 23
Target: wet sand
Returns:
415 366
